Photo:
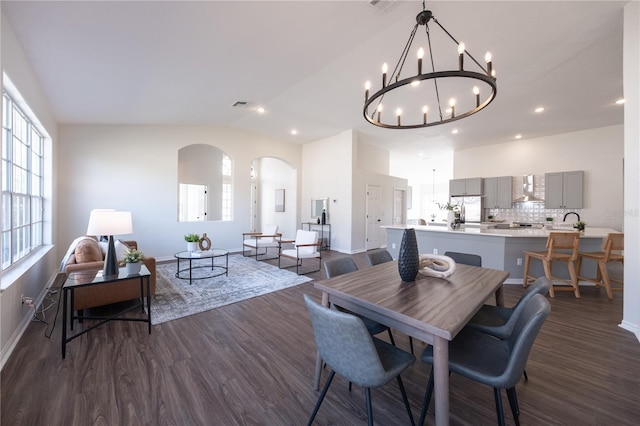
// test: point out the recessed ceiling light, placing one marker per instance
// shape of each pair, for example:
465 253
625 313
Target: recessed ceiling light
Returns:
294 132
620 101
454 131
260 110
539 109
518 136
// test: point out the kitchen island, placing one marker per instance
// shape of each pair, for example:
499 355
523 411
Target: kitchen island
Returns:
501 249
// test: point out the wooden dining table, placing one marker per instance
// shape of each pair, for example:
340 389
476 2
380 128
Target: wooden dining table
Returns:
429 309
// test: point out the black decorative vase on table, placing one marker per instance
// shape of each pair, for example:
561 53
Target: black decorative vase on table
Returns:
408 257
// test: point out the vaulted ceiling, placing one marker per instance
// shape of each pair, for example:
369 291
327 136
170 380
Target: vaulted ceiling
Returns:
305 62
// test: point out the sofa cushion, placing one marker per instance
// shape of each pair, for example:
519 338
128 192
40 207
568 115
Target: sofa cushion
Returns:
88 251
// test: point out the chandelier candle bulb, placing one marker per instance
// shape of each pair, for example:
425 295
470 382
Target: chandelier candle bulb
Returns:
476 91
425 109
452 104
420 56
488 58
379 111
461 49
385 67
399 113
367 86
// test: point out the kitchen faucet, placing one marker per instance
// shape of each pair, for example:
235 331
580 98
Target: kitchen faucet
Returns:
565 216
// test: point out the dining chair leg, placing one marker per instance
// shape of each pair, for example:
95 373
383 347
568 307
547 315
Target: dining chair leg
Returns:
427 399
411 345
524 373
499 409
321 398
393 342
405 400
525 281
513 403
367 393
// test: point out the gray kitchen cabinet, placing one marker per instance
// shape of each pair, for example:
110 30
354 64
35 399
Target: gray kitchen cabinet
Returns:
462 187
563 190
497 192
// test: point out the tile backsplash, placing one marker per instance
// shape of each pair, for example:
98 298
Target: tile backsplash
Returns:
530 212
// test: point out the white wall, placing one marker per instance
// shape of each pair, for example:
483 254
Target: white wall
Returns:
631 70
32 275
599 152
136 167
331 169
326 173
276 174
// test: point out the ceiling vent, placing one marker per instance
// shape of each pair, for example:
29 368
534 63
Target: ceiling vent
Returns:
241 104
381 5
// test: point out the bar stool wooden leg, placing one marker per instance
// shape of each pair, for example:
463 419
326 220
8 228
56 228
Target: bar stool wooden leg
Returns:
525 279
547 273
574 279
604 276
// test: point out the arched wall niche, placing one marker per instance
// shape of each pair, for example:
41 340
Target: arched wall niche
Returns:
205 184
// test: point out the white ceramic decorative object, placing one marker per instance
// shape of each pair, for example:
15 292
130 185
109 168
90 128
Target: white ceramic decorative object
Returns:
451 219
193 246
133 268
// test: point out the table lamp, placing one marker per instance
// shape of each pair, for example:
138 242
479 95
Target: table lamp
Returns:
110 222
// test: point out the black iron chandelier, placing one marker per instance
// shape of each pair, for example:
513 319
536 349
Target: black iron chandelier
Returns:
424 89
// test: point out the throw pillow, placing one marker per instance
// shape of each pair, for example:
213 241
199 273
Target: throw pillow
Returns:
121 247
88 251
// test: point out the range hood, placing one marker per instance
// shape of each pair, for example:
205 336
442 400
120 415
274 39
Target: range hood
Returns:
527 191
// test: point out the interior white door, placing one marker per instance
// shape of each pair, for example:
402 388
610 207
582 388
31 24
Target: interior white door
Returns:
373 217
254 207
399 206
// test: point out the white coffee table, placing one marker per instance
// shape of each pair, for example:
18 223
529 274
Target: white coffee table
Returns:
191 256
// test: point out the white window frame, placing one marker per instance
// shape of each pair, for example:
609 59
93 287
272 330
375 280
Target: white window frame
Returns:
23 199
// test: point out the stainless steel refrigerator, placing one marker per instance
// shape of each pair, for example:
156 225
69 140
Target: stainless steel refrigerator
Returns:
470 208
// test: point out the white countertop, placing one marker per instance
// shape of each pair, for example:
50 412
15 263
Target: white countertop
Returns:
478 229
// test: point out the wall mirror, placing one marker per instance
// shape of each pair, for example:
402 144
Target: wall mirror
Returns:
318 205
204 184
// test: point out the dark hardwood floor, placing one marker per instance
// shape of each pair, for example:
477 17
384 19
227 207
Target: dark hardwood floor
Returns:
252 363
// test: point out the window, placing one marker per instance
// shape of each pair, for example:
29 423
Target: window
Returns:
226 187
22 183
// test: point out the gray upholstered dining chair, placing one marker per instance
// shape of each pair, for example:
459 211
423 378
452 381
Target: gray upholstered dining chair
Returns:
499 321
498 363
377 256
344 265
345 344
465 258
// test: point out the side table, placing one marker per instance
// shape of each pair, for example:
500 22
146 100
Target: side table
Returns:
89 278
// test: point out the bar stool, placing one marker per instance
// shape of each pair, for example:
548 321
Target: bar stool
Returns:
566 241
613 243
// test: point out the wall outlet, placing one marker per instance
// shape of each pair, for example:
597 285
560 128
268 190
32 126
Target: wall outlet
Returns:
393 245
435 251
519 261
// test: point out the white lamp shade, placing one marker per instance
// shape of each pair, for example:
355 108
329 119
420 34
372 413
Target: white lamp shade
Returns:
109 222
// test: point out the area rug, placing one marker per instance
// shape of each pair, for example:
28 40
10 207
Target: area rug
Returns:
176 298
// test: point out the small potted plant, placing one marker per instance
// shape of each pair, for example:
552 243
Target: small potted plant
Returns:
192 241
133 260
579 225
490 217
549 222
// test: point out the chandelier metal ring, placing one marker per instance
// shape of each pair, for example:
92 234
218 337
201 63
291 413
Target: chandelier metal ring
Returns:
435 75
